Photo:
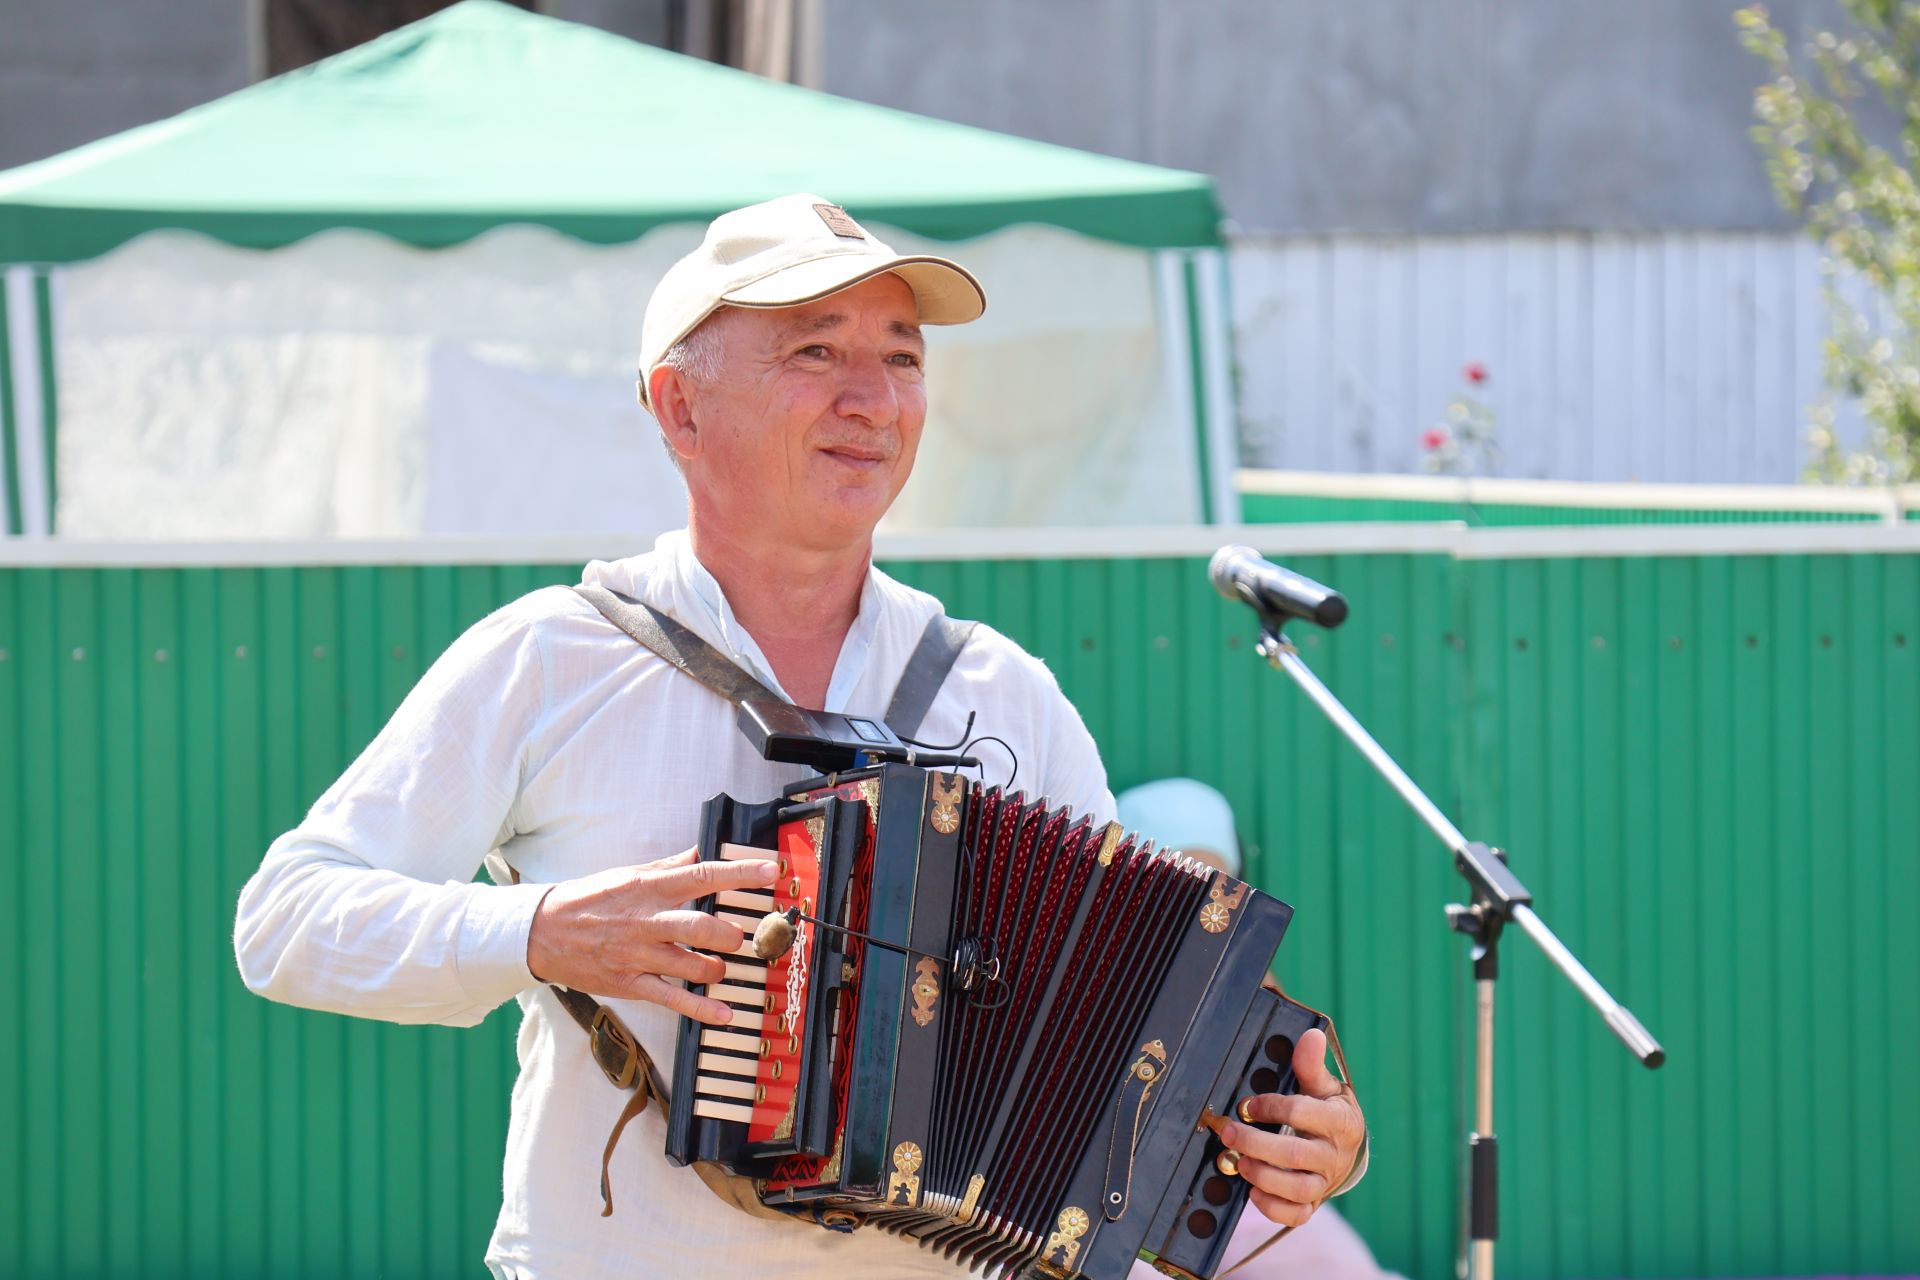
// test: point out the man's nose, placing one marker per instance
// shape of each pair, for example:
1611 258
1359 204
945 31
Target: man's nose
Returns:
868 392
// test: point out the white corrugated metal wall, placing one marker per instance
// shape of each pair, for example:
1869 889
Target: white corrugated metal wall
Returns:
1670 356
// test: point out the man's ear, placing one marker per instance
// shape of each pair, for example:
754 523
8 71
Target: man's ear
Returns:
671 396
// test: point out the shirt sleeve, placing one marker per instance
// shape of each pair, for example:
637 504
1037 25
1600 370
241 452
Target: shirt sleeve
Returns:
369 906
1074 773
1070 770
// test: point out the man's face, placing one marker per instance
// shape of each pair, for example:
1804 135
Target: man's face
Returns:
810 428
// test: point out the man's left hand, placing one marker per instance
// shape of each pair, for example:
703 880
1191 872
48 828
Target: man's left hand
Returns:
1293 1172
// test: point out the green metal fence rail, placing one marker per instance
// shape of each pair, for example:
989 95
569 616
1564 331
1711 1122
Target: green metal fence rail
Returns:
1705 765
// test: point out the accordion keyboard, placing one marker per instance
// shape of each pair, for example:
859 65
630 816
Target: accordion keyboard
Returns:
729 1066
748 1070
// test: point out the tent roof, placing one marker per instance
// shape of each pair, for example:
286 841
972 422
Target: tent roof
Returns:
484 114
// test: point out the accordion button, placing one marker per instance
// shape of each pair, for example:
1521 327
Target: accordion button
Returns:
1228 1162
1245 1111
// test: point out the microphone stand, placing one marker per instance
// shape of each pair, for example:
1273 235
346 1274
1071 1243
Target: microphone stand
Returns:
1496 898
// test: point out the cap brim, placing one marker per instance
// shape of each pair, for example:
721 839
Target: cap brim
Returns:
944 292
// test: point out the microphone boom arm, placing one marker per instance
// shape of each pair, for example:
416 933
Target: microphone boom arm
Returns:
1509 897
1278 595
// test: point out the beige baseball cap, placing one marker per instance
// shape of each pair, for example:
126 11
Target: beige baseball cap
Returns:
786 252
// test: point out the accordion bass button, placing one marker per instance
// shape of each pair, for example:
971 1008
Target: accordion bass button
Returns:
1245 1110
1228 1162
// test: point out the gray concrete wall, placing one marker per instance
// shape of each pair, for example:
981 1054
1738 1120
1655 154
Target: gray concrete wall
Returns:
1315 115
75 70
1357 115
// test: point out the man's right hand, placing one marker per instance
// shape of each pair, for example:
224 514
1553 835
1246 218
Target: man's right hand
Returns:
625 933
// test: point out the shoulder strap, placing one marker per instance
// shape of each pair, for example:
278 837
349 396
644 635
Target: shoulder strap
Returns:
932 660
927 669
678 646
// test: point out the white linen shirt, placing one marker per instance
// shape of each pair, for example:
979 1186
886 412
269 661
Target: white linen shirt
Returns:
548 738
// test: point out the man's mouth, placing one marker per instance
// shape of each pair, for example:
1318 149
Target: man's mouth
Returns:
857 458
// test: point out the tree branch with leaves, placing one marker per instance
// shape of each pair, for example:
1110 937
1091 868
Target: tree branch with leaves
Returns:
1861 202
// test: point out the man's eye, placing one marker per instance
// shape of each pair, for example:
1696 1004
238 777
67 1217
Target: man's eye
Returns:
814 349
906 360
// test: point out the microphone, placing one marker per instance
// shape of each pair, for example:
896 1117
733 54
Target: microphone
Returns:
1240 573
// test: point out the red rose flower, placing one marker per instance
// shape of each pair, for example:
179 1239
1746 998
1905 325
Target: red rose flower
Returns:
1433 439
1476 372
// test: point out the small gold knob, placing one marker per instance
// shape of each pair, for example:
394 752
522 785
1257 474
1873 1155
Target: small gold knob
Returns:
1245 1111
1228 1162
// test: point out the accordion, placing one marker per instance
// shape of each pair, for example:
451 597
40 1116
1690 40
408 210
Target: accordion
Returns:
997 1030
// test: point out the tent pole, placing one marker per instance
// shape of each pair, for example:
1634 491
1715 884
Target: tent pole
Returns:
1223 418
30 421
9 469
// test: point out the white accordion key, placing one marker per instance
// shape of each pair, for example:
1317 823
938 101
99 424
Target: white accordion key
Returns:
712 1110
714 1038
711 1064
723 1087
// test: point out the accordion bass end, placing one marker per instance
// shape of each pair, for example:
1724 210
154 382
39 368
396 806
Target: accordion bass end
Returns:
998 1031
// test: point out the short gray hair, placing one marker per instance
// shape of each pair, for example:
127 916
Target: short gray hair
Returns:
697 355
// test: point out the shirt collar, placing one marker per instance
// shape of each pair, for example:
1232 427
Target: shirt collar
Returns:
700 591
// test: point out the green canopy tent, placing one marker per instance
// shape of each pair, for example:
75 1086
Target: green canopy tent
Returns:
485 117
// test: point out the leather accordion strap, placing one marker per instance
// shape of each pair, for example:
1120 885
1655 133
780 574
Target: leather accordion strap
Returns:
932 660
678 646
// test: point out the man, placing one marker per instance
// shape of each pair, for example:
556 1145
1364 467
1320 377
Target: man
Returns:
784 363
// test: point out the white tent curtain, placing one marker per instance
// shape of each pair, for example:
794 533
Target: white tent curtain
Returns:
351 386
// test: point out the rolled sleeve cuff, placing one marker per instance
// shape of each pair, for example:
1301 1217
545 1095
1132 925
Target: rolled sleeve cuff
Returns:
490 955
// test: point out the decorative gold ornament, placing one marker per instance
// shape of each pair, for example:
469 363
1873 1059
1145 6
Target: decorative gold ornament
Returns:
972 1200
947 792
1220 904
906 1174
926 989
1110 842
1069 1227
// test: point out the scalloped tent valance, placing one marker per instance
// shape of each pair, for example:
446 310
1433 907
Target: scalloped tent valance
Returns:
484 115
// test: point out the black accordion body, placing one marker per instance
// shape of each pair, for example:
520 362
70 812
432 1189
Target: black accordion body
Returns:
1025 1079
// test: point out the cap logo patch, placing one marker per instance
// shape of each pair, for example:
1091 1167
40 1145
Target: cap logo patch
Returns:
838 222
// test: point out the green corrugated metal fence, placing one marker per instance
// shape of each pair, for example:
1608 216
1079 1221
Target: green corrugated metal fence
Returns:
1706 767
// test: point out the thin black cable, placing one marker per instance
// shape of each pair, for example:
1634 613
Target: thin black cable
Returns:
928 746
1005 746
